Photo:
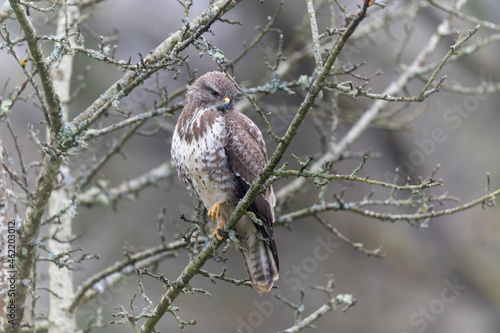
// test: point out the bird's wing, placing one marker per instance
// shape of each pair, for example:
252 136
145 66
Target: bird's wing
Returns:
247 156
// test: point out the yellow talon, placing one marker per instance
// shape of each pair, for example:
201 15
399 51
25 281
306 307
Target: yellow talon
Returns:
220 225
214 211
214 214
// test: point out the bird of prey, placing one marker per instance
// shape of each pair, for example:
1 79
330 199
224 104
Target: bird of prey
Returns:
218 153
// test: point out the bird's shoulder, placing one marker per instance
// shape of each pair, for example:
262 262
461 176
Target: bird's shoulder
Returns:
239 126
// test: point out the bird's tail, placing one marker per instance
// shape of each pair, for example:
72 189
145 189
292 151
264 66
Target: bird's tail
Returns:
259 262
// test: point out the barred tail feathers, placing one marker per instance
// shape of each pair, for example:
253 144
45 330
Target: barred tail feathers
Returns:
259 262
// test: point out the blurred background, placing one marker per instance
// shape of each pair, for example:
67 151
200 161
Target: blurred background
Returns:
443 278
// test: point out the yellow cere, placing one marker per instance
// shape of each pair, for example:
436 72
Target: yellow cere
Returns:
227 100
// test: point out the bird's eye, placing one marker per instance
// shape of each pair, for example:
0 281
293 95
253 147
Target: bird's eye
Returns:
214 93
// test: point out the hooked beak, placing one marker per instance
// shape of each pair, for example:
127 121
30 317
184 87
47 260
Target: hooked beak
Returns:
225 104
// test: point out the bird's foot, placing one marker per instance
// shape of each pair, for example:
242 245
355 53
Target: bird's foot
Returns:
218 229
214 214
214 211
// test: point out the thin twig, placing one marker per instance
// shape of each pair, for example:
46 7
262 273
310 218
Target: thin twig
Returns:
463 16
281 173
259 37
356 245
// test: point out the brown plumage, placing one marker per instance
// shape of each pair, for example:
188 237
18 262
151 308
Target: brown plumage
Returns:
218 153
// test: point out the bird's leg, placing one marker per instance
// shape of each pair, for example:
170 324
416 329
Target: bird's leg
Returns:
214 214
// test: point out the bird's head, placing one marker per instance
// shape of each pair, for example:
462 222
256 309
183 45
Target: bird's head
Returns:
213 90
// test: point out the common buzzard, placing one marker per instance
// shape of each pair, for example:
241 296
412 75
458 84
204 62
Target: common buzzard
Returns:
218 153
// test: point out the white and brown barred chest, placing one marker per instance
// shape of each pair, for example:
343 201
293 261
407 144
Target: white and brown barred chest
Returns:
199 155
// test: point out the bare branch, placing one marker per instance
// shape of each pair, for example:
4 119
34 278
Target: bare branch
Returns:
314 33
468 18
331 304
53 102
114 273
126 190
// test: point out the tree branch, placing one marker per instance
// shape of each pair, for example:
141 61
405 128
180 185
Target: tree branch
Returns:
101 280
127 189
53 103
61 278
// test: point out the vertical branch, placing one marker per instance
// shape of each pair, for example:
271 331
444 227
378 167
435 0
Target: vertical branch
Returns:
43 70
28 234
61 278
315 34
30 228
